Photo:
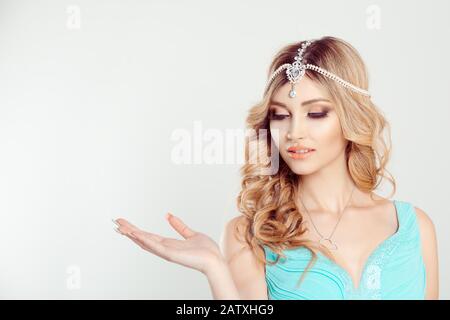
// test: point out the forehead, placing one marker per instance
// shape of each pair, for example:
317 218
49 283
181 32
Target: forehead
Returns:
306 89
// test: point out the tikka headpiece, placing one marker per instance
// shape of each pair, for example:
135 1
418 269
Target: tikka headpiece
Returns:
297 69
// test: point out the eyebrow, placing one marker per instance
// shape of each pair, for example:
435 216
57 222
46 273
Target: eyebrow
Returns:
304 103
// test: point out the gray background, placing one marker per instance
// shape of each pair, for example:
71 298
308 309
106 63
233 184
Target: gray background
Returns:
87 110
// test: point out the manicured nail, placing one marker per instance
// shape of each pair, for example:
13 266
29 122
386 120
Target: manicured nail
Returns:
115 222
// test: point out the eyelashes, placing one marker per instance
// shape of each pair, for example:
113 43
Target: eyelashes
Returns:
312 115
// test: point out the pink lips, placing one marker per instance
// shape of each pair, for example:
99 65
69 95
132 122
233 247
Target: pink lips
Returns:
295 155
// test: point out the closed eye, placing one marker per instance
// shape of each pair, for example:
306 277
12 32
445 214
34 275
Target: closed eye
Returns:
316 115
313 115
274 116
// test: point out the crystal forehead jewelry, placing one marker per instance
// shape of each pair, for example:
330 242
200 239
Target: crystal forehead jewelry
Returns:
296 70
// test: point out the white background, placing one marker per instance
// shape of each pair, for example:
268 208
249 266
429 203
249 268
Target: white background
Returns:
87 114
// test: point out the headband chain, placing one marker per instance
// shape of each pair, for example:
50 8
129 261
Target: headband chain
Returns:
297 69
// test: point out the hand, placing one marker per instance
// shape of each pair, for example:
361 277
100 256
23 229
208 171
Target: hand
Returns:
197 251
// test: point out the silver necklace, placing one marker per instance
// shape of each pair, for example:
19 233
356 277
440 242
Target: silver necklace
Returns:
331 244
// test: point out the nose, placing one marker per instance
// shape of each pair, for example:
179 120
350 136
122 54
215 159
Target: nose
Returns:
297 129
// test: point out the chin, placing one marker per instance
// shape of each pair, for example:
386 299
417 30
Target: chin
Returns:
302 170
300 167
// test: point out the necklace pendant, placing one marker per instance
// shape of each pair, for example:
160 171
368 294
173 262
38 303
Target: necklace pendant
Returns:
328 243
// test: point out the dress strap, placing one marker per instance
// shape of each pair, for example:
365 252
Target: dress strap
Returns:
407 219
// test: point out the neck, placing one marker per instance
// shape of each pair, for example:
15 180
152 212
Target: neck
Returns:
327 190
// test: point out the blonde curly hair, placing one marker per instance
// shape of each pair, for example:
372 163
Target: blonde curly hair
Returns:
271 217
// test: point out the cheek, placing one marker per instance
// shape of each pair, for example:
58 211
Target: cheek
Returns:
278 131
327 135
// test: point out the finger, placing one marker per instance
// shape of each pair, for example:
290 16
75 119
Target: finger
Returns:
168 242
133 238
127 232
152 245
125 227
137 241
125 223
180 226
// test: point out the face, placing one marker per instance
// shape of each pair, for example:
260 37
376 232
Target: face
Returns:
307 120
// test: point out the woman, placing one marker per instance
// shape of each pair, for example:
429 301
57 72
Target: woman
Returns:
314 229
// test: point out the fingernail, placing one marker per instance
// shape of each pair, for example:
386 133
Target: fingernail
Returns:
118 231
168 215
115 222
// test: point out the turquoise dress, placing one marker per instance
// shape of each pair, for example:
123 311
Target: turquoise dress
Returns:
394 270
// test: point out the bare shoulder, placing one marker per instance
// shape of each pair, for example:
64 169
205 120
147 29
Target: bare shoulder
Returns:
247 272
426 225
429 252
233 238
427 233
